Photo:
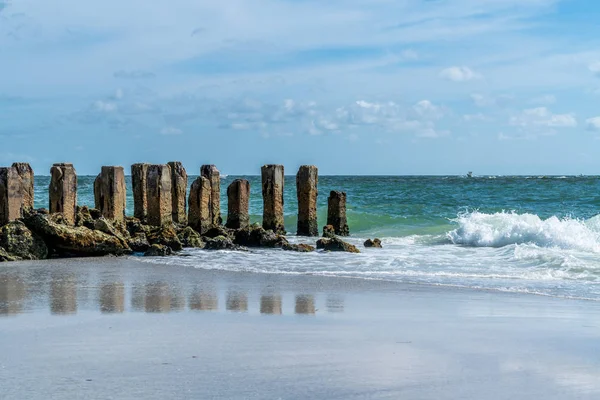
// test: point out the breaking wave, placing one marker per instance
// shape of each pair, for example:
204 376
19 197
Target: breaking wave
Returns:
502 229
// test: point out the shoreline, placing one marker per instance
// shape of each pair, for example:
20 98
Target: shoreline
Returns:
119 328
360 282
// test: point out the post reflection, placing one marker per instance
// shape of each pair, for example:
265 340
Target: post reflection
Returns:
237 301
204 299
12 295
270 304
63 294
334 303
157 297
112 298
305 304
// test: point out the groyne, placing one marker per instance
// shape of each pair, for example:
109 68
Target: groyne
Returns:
165 217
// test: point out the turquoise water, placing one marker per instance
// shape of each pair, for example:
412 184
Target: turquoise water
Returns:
527 234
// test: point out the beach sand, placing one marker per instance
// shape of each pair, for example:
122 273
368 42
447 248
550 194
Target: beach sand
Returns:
120 328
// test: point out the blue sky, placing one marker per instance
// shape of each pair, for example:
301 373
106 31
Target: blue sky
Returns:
353 86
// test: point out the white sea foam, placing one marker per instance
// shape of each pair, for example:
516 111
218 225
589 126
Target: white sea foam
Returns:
502 251
506 228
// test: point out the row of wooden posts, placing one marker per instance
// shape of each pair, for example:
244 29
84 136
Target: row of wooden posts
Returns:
160 194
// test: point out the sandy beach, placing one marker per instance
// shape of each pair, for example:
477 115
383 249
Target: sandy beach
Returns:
121 328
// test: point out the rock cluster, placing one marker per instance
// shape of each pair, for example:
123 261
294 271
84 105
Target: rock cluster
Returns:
373 243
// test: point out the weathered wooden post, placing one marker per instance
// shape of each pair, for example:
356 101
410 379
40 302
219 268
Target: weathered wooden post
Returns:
158 187
199 205
11 195
26 173
238 197
272 192
307 180
211 173
110 193
63 191
139 173
336 213
179 181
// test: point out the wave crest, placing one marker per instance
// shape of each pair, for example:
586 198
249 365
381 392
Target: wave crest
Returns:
506 228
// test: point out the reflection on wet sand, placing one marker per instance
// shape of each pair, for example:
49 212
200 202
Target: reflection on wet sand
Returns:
12 295
270 304
305 304
204 299
63 294
334 303
237 301
157 297
112 298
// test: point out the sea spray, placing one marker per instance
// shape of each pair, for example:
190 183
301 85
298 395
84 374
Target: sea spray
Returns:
506 228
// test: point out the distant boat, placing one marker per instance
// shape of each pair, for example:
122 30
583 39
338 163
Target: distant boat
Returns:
224 176
470 174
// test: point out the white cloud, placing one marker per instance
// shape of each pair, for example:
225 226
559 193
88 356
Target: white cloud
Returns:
474 117
542 117
544 100
169 130
593 124
595 68
103 106
428 110
459 74
481 100
409 55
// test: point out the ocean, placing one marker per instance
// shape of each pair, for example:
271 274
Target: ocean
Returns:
530 234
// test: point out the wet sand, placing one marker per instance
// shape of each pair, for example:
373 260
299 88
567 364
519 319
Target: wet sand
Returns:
124 329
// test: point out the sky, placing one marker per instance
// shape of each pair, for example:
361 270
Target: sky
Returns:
397 87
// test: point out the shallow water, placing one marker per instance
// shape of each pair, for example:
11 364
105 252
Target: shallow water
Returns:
532 234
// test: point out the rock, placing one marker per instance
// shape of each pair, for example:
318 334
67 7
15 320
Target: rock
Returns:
158 186
4 256
179 182
219 231
11 195
307 180
104 225
373 243
190 238
272 191
336 213
165 235
301 248
139 174
257 236
63 191
110 193
336 244
83 217
138 242
199 205
74 241
238 198
213 175
328 231
134 226
18 241
26 173
220 243
158 250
